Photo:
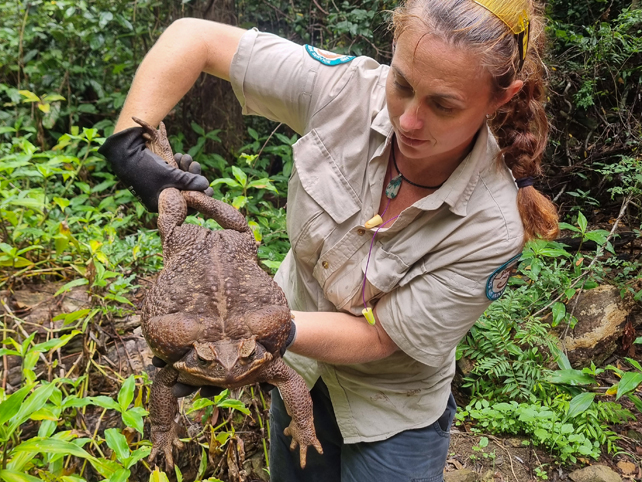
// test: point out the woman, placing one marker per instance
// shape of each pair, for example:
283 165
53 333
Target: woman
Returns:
403 215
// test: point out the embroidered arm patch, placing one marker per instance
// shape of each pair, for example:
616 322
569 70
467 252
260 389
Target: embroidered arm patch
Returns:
496 284
327 58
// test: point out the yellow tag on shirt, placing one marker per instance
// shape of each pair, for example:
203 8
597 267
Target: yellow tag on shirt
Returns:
367 312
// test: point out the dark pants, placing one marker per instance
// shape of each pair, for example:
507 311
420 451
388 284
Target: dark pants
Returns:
411 456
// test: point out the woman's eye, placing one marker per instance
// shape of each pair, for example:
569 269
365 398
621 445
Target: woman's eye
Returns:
444 109
404 87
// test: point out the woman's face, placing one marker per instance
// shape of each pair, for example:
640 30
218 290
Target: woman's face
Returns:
438 96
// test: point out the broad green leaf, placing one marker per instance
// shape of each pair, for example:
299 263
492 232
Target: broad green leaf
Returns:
126 393
55 343
636 401
61 202
240 176
635 363
15 476
225 180
53 98
579 404
198 129
72 478
581 221
72 284
137 455
72 401
202 465
239 201
105 467
179 474
16 262
253 134
628 383
45 413
11 405
134 420
121 475
158 476
105 402
559 312
34 402
29 96
52 446
234 404
73 316
570 227
541 434
638 340
118 443
570 377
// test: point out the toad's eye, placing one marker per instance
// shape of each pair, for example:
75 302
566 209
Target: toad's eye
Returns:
202 361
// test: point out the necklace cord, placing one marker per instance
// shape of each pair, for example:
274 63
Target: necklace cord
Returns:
394 161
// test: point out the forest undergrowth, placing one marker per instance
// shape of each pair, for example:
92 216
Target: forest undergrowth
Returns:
75 380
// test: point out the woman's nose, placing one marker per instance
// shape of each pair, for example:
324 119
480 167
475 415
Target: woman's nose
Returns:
411 119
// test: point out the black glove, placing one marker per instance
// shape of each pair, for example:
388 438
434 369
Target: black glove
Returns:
145 173
181 390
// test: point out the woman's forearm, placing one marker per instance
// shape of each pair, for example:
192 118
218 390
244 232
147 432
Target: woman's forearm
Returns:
340 338
187 48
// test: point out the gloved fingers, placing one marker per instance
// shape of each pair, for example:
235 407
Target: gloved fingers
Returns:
195 168
209 192
157 362
181 390
185 162
187 181
208 391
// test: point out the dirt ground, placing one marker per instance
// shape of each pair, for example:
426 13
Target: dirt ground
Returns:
509 459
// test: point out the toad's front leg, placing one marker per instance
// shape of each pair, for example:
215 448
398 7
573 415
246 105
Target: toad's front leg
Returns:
163 407
298 405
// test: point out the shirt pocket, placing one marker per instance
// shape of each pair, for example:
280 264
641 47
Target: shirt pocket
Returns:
320 198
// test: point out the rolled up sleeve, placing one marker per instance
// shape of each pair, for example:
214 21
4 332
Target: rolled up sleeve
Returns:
277 79
427 317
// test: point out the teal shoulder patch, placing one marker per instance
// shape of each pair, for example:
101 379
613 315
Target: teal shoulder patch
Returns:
327 58
496 284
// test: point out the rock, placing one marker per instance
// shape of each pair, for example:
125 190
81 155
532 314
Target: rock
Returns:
627 468
602 315
595 473
463 475
489 476
465 365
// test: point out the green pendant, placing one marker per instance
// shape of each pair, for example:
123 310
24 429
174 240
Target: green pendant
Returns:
392 189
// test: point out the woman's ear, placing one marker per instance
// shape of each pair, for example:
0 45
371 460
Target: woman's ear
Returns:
508 94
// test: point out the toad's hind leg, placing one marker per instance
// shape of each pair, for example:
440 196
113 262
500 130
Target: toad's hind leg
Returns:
172 210
224 214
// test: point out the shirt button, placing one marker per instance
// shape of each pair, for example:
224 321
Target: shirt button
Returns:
325 265
361 231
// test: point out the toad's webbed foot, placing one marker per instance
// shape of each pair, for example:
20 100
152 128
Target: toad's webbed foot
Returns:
303 435
164 440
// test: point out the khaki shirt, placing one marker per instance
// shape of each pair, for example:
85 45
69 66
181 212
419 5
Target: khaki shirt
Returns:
428 271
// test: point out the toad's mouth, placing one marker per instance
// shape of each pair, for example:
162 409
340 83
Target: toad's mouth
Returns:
224 363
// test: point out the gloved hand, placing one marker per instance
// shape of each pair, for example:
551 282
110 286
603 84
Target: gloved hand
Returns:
144 173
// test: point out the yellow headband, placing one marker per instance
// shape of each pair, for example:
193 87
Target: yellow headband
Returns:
514 13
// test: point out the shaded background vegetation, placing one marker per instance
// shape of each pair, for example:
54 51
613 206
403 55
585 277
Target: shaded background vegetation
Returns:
65 68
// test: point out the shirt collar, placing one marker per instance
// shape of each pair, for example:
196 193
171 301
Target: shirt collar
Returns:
458 188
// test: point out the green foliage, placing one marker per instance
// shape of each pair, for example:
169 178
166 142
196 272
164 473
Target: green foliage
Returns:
511 347
548 424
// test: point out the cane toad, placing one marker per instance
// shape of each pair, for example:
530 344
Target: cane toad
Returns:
213 315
